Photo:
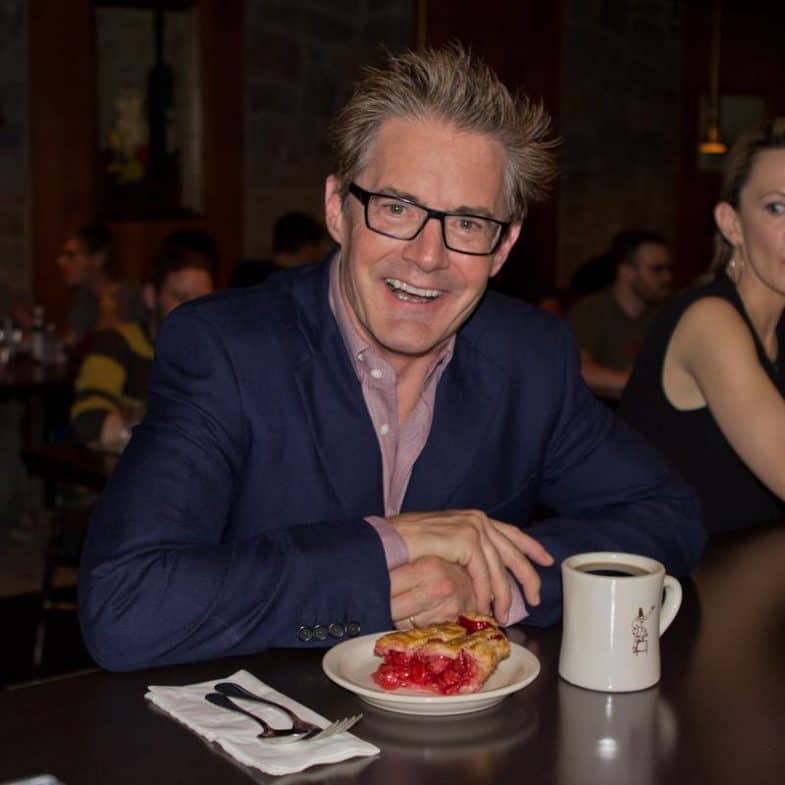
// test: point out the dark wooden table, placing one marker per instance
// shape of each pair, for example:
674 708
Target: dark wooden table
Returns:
718 715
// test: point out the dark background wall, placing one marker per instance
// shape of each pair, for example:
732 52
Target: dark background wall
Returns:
14 129
620 120
301 59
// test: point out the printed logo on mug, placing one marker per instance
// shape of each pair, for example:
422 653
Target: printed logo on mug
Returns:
614 614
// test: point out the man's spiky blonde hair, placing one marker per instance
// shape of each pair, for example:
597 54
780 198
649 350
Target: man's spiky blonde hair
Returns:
452 86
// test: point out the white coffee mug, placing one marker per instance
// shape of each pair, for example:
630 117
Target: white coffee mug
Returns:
614 614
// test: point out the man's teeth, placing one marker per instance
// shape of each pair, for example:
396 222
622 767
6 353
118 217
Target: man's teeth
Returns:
406 291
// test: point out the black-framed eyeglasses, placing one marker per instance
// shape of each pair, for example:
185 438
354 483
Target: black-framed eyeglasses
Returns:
403 219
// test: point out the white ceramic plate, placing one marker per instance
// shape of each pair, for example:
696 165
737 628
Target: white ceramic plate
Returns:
352 662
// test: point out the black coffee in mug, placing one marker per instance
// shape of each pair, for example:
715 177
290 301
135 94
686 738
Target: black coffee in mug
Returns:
612 570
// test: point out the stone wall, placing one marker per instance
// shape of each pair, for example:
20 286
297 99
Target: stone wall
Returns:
620 118
302 57
15 274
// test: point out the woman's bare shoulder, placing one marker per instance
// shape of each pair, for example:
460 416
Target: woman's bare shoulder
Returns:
713 317
712 331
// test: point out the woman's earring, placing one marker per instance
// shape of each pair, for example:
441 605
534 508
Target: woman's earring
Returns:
736 264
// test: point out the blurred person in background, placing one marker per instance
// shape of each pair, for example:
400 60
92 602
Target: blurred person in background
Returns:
611 325
708 387
298 239
88 265
111 386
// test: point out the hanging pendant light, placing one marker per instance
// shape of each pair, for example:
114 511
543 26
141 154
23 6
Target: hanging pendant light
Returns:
711 142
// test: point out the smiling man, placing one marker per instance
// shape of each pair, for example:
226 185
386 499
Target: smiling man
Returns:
362 444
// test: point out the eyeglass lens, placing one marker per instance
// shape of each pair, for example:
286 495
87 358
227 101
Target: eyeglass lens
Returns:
403 220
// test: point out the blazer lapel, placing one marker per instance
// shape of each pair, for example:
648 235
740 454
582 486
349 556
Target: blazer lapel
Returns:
341 427
466 403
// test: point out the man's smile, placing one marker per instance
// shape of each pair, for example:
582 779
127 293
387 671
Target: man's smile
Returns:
411 294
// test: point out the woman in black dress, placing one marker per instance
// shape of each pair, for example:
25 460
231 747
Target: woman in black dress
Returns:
708 389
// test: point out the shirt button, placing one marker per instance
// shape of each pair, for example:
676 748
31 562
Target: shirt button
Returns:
377 373
353 628
305 634
336 630
384 430
320 632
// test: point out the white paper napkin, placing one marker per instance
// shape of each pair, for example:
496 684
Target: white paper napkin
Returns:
237 735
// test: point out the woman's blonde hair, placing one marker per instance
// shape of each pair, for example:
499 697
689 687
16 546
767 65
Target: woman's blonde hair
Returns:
738 167
453 86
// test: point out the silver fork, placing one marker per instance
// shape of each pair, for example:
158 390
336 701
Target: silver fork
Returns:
304 731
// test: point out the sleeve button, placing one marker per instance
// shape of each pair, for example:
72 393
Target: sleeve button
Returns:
336 630
320 632
353 629
305 633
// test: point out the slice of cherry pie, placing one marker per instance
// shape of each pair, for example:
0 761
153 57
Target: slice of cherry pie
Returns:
448 658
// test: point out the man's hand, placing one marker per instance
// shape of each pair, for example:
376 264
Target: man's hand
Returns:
486 548
430 590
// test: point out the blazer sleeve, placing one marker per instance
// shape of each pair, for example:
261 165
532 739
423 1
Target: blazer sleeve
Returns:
609 490
162 580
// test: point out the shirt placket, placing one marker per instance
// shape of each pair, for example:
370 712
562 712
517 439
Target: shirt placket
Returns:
378 382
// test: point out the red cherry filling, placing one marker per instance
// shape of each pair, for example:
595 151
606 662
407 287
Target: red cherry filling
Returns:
435 673
474 625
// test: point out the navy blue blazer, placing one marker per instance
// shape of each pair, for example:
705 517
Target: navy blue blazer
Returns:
236 514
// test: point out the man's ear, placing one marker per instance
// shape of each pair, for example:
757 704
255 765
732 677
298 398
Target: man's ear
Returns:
500 257
333 209
148 296
727 220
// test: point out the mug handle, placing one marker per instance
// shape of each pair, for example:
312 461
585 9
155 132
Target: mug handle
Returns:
670 603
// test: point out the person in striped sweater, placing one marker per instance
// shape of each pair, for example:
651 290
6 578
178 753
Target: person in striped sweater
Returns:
111 385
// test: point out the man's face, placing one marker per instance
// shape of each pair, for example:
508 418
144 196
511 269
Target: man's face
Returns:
652 277
77 266
180 286
409 297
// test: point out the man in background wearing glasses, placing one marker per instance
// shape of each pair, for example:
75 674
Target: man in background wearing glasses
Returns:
362 444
